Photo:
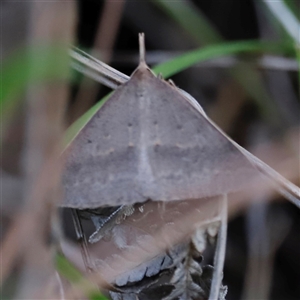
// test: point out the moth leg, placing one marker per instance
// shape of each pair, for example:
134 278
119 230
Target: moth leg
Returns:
104 228
219 258
82 240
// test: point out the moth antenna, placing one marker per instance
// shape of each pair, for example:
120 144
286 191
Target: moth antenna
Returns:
142 48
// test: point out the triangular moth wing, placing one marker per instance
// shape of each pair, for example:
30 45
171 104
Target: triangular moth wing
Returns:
148 142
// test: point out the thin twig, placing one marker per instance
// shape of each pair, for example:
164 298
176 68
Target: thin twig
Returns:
97 70
220 252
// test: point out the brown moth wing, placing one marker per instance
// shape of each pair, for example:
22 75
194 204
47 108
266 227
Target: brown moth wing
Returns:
148 142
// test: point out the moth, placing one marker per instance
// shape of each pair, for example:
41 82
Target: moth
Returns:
149 141
152 142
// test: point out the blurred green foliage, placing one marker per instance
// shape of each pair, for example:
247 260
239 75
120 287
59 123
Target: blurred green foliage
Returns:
30 67
68 271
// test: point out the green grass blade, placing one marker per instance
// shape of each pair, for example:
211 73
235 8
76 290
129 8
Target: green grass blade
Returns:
75 128
66 269
189 59
247 76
